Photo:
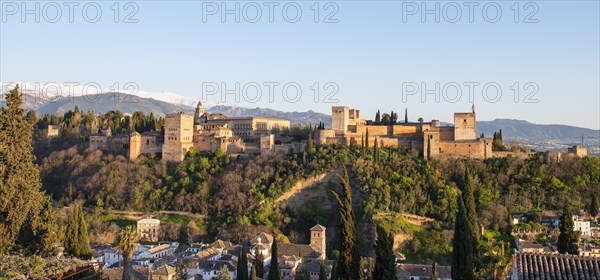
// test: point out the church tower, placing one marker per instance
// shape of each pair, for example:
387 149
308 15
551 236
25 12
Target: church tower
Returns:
199 113
318 241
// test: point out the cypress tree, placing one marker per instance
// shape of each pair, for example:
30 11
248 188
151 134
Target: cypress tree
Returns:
385 262
28 223
367 138
463 267
274 273
259 263
309 142
428 148
349 265
594 206
471 209
322 271
377 117
406 115
242 268
567 239
434 275
76 235
376 151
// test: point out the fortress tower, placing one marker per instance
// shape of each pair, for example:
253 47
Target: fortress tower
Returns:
318 240
465 126
179 132
340 118
135 145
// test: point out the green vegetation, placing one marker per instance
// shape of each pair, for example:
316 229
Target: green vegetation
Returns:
274 272
128 238
28 223
385 261
463 253
76 235
349 265
567 240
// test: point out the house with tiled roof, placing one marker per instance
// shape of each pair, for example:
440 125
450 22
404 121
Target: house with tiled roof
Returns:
165 272
530 266
312 268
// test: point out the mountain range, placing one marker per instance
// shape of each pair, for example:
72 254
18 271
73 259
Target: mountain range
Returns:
542 136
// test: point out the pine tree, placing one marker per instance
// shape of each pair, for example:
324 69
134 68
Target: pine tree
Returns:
434 275
567 239
242 268
224 273
28 223
274 273
385 262
259 262
594 206
322 271
348 261
463 263
128 238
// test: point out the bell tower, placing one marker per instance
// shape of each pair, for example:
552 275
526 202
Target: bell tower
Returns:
318 241
199 113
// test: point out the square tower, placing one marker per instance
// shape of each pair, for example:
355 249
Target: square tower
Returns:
179 132
465 127
318 241
340 118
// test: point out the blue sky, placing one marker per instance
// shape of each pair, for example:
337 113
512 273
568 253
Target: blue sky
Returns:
370 53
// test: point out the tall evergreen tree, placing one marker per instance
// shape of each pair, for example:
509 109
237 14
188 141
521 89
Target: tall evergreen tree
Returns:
385 262
349 265
463 262
428 148
406 115
378 117
376 151
182 271
224 273
567 239
468 194
28 223
128 238
322 271
434 275
367 138
259 263
242 268
593 209
76 235
274 272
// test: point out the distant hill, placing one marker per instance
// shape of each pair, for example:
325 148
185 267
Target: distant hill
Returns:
295 117
524 129
110 101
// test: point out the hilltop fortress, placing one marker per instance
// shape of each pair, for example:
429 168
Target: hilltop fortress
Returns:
430 138
253 135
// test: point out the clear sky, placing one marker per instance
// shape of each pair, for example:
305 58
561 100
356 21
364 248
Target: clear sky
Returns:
372 52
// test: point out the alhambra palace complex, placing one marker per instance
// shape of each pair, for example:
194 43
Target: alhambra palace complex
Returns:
253 135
